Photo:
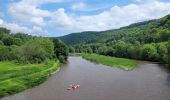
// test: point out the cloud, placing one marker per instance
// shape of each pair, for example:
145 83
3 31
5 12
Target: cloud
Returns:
1 21
79 6
15 28
39 2
114 18
29 11
61 19
38 20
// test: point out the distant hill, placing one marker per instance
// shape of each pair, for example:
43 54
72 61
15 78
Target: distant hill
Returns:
137 30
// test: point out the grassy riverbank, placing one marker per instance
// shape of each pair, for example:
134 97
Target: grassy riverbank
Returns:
15 78
123 63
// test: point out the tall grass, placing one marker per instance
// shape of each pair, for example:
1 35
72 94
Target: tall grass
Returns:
15 78
123 63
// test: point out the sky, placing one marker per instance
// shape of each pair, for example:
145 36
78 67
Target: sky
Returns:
51 18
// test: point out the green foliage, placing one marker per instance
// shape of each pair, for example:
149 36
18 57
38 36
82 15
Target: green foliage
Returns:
111 61
4 52
145 32
1 43
71 49
121 48
15 78
23 48
61 50
149 52
38 50
162 53
145 40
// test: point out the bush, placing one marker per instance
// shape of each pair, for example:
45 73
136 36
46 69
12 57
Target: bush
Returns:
149 52
4 52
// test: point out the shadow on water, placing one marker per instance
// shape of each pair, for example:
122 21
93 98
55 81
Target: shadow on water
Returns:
167 70
168 80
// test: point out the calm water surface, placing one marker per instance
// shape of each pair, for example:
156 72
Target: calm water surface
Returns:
99 82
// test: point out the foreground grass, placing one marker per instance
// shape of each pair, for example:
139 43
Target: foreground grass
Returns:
123 63
15 78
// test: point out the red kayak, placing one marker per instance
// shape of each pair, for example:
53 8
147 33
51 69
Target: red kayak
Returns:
73 87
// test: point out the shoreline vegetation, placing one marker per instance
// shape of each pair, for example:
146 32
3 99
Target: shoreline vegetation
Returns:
15 78
148 40
126 64
26 61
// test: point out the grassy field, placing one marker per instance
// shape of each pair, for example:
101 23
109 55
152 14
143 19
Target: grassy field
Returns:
15 78
123 63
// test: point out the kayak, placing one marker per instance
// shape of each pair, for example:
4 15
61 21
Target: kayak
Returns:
73 87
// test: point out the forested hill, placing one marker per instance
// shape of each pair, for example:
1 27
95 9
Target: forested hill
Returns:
147 32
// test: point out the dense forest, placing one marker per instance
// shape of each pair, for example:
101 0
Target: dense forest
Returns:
149 40
23 48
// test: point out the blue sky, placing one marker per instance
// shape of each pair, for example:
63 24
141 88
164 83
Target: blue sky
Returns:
61 17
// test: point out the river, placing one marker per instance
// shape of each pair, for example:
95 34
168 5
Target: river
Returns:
98 82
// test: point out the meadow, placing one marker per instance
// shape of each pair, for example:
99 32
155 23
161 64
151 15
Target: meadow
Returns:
126 64
16 77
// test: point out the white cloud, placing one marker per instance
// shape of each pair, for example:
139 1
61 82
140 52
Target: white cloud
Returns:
38 2
114 18
61 19
1 21
118 16
29 11
15 28
38 31
38 20
79 6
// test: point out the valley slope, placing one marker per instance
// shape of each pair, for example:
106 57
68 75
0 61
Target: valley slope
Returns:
146 40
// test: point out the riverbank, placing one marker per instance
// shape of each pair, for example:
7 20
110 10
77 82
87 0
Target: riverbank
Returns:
15 78
98 82
126 64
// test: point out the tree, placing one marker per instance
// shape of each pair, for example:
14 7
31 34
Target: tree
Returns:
102 50
121 49
9 40
38 50
61 50
16 54
4 53
71 49
1 43
133 51
162 53
33 53
165 34
89 50
148 52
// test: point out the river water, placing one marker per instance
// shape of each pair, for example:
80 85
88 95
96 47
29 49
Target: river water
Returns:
98 82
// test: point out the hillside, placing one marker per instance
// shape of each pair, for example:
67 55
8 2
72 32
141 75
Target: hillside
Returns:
146 30
145 41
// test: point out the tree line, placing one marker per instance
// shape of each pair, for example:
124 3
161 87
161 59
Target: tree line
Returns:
23 48
153 52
